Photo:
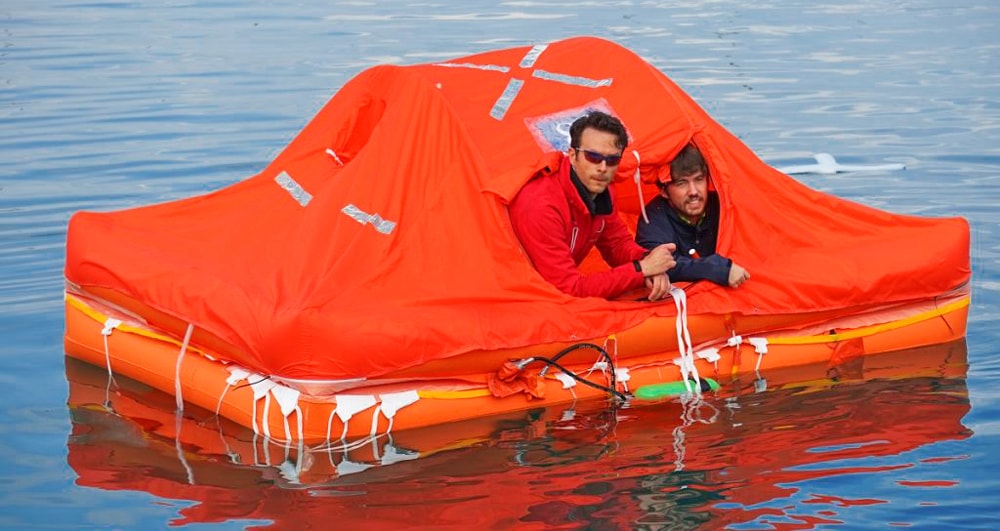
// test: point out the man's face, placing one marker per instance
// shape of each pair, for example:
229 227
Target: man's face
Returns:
688 194
596 160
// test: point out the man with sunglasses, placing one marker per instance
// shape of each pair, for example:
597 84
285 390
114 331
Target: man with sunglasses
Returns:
560 216
687 215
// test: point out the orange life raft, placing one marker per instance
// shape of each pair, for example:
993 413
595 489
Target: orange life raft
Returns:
368 279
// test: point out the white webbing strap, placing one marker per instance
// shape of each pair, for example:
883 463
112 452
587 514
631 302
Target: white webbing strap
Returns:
236 375
288 401
638 187
266 421
684 347
177 373
260 386
347 406
374 429
393 402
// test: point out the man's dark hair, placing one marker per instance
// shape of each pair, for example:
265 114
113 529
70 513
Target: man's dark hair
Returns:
600 121
688 161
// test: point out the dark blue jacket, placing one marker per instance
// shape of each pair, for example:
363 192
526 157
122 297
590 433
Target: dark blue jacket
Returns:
666 226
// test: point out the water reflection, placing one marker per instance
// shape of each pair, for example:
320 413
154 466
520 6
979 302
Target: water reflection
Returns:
643 466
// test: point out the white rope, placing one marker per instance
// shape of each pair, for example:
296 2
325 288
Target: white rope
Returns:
109 326
177 373
236 375
333 154
638 187
760 345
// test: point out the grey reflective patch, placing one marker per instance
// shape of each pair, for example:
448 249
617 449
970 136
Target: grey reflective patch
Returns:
529 58
572 80
506 99
293 188
382 225
494 68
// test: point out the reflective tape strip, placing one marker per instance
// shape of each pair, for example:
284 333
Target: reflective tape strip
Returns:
529 58
448 395
382 225
572 80
494 68
505 100
293 188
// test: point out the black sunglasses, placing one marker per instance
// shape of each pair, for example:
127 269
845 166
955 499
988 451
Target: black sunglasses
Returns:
594 157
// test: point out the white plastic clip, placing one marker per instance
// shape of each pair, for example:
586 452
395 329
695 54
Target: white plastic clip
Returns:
710 354
567 380
109 326
760 345
622 376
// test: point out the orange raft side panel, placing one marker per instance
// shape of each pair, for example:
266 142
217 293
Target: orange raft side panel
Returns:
153 360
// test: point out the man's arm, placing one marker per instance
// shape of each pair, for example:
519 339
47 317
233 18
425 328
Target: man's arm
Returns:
714 267
659 231
544 235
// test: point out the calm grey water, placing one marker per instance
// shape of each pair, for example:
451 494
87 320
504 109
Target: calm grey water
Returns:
107 105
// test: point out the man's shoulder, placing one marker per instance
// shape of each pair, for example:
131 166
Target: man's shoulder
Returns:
538 191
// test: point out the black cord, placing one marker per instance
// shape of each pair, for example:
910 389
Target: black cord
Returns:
553 361
249 383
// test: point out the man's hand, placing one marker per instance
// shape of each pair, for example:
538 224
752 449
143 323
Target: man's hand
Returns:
659 260
659 286
737 275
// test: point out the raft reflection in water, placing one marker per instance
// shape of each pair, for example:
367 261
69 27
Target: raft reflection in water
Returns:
738 458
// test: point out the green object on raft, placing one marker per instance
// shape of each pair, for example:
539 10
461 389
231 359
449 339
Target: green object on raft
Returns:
661 390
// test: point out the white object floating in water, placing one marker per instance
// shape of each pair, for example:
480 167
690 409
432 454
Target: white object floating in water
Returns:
827 165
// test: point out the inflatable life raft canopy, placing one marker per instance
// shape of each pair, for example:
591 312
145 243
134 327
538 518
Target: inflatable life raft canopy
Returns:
379 240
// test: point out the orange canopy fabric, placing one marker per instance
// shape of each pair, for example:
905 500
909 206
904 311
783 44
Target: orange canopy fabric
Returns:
379 239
